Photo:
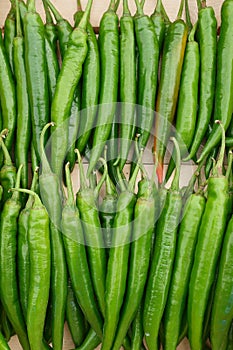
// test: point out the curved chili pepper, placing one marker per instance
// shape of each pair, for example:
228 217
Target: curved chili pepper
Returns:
109 61
77 260
23 130
8 269
171 68
9 34
224 80
36 69
207 40
209 240
162 261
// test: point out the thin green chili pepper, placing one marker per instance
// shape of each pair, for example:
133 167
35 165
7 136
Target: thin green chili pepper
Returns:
51 194
23 249
8 269
76 257
159 23
209 240
162 261
34 159
9 34
23 130
7 96
224 80
50 27
137 332
171 68
109 68
36 70
117 269
86 202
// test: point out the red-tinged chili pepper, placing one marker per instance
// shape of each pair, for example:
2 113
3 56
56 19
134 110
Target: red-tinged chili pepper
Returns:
171 68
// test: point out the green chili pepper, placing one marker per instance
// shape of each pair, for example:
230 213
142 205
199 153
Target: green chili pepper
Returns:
171 68
209 240
75 318
50 27
187 237
222 310
50 191
34 159
137 332
8 269
117 269
109 61
23 130
36 70
3 343
147 206
187 104
77 260
207 40
7 172
7 96
23 249
6 326
224 79
9 34
162 261
159 21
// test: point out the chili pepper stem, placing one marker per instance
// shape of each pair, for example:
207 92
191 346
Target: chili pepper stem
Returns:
199 5
187 14
17 182
120 180
70 194
139 8
229 164
31 4
179 15
7 157
176 180
100 184
126 10
217 169
116 5
79 6
83 182
37 201
48 16
86 15
55 12
18 21
133 178
44 160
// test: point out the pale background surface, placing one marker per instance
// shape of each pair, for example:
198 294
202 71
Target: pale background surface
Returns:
67 9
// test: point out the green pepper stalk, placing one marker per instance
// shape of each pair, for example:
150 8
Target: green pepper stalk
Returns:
210 238
50 27
164 250
8 268
160 20
74 241
51 194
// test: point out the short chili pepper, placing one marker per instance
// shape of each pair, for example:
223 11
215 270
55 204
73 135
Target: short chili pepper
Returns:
207 40
52 196
8 269
109 61
209 240
117 270
162 261
9 34
76 257
224 80
171 68
36 70
23 130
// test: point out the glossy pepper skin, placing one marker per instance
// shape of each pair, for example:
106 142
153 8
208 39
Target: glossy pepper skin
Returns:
7 96
8 269
137 330
177 296
109 61
76 257
171 68
3 343
224 80
222 309
9 34
36 70
160 21
207 40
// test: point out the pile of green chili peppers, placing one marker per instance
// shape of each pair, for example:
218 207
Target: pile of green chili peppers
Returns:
130 260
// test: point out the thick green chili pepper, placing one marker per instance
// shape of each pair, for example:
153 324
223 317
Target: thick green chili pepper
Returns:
147 206
109 61
23 249
36 69
50 191
209 240
3 343
76 257
117 270
187 237
8 269
207 40
171 68
9 34
75 318
187 104
39 270
222 310
7 172
86 202
148 50
23 130
162 260
7 96
224 80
